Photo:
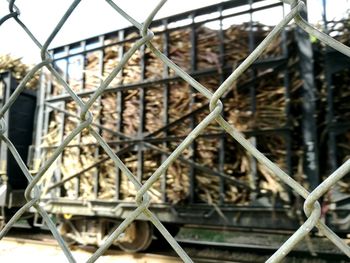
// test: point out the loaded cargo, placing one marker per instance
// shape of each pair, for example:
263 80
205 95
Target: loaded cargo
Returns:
149 110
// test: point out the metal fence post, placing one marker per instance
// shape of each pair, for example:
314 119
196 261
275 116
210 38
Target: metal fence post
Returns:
309 97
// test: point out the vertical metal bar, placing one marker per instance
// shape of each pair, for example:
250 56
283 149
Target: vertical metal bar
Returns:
251 49
42 116
83 76
57 172
38 118
324 16
332 148
83 46
288 135
252 90
193 55
309 124
332 145
120 101
222 79
165 105
140 153
61 116
12 84
287 96
284 38
8 83
47 111
66 75
98 121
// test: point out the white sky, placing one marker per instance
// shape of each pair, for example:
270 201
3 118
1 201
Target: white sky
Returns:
94 17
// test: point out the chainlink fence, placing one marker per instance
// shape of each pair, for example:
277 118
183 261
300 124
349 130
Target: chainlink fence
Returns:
312 207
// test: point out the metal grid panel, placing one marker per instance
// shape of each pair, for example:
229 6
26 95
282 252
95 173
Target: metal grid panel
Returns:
147 141
32 194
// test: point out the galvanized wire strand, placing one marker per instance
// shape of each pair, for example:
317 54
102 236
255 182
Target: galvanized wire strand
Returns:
298 235
95 124
16 217
307 27
320 191
124 14
134 214
43 48
115 71
284 177
6 17
145 203
37 178
152 218
179 71
55 154
227 84
29 33
74 96
168 237
32 202
13 6
116 159
151 16
251 149
331 180
21 164
58 28
237 182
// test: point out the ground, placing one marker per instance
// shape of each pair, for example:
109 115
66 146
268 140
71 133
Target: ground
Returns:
14 251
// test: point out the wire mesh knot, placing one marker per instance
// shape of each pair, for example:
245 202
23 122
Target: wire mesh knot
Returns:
13 13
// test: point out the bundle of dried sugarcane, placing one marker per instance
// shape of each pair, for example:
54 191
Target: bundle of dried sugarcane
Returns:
154 67
207 46
154 109
180 49
150 164
18 70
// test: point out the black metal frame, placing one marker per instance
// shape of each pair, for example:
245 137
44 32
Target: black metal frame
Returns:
19 121
334 62
145 140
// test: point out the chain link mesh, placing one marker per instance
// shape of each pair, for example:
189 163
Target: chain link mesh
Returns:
312 207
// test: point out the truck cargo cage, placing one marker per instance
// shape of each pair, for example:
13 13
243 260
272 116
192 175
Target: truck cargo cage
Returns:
147 110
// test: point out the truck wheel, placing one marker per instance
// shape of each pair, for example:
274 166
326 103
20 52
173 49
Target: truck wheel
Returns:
137 237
